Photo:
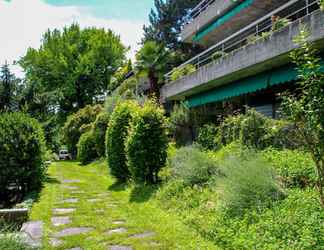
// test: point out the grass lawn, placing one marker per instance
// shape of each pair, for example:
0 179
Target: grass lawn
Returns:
101 206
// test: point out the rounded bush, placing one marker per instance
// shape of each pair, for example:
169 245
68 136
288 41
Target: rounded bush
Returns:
99 133
77 124
147 143
86 148
22 152
116 136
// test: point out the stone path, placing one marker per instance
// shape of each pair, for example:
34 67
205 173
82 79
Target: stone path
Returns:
62 220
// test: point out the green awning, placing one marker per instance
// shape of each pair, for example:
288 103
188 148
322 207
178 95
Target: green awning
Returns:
248 85
221 20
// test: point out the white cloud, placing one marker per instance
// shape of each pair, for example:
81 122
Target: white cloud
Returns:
22 23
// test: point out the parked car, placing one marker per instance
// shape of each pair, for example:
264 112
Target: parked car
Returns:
64 155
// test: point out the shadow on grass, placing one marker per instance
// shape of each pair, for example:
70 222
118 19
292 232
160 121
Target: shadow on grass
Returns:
118 186
51 180
142 193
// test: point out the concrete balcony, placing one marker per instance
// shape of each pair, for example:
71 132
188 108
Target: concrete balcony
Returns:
264 54
223 18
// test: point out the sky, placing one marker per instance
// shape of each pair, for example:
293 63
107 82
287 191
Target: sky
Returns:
22 22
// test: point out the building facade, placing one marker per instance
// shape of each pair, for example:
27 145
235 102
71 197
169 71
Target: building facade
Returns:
246 59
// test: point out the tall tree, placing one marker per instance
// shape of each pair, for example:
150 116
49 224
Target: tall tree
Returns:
9 89
151 61
74 65
166 22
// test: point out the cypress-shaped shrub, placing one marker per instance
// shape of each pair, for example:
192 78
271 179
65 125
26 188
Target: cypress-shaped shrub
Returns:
22 152
116 136
87 148
99 132
147 143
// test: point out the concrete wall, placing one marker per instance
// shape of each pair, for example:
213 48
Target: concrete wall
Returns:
247 61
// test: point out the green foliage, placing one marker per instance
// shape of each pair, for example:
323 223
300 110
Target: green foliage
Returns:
218 54
305 109
296 168
99 128
120 76
12 242
207 137
116 137
258 131
249 182
77 124
22 154
279 23
193 166
179 73
321 4
75 65
147 143
152 61
87 148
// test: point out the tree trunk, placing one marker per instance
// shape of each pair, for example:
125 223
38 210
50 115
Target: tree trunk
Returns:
320 181
154 85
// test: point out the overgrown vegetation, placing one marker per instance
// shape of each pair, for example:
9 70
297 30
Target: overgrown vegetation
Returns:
178 73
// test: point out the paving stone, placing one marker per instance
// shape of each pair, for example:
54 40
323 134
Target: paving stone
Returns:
99 211
94 200
60 221
120 248
118 222
70 200
33 232
71 181
63 210
75 248
142 235
77 192
117 230
73 231
71 187
55 242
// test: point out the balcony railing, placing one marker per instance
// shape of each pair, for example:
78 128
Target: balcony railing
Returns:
195 12
260 29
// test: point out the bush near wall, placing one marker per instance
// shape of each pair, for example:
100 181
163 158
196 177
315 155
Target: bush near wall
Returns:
207 137
258 131
147 143
116 136
77 124
87 148
22 152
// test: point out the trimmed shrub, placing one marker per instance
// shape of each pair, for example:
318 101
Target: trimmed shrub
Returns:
87 148
296 168
147 143
77 124
193 166
207 137
182 72
116 135
13 242
99 132
249 182
22 152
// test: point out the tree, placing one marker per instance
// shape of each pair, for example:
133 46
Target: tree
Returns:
166 22
9 89
152 61
306 108
120 76
75 65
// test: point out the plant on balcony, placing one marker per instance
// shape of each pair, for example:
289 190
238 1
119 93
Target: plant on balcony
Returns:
279 23
218 54
321 4
181 72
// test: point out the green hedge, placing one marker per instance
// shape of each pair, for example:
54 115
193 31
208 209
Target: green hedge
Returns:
116 136
147 143
22 152
99 132
207 137
87 148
